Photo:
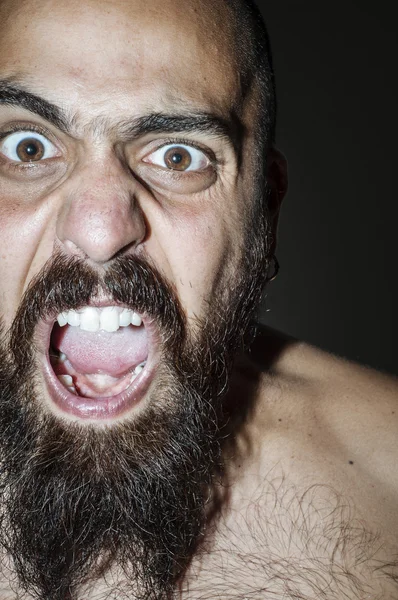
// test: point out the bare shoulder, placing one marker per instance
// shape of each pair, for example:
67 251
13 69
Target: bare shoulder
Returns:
313 485
320 419
298 367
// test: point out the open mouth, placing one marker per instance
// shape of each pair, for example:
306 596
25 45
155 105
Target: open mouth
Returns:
98 361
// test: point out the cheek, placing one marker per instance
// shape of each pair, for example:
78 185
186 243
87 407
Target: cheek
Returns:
194 254
25 246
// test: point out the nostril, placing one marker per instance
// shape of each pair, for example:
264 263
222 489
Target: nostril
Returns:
73 249
101 237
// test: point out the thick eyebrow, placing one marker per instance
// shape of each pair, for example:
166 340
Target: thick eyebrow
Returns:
190 122
13 95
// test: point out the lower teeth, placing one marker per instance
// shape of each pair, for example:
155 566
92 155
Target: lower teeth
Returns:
140 367
68 383
137 370
67 380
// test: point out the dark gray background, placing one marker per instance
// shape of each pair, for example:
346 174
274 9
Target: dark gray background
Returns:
336 68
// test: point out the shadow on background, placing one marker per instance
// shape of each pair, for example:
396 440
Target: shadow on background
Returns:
336 71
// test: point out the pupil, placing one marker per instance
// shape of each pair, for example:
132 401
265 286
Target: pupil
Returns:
31 149
177 158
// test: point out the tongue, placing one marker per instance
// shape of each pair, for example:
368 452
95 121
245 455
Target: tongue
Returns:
102 352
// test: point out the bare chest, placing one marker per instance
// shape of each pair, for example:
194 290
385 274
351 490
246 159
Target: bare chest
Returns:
307 547
281 545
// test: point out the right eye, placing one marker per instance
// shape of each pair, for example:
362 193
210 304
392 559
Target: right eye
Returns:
178 157
27 146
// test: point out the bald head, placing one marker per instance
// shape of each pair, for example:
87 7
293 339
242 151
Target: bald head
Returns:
236 54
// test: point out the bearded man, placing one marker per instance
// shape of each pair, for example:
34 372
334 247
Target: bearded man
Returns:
154 443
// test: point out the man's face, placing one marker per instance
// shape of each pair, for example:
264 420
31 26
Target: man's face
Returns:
148 163
125 173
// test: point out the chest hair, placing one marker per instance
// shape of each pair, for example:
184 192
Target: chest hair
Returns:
285 545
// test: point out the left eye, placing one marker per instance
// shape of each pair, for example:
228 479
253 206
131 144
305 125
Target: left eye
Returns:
179 158
27 146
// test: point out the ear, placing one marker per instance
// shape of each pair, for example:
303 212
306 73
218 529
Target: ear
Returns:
277 180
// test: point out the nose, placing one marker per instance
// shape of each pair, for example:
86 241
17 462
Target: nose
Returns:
100 215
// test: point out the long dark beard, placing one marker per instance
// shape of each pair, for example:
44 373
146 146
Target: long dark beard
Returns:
78 499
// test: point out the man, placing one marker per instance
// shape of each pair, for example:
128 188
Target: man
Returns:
154 444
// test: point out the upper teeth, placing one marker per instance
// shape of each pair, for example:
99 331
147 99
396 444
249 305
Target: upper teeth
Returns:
91 318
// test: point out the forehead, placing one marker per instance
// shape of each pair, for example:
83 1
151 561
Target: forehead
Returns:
132 54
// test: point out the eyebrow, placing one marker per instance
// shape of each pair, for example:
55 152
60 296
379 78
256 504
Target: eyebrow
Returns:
156 122
13 95
197 122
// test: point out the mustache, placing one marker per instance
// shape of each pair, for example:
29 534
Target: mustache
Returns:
67 282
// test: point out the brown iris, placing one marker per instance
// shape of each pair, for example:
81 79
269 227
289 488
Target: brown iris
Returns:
30 149
177 158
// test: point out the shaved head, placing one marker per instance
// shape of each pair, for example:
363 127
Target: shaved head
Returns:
242 41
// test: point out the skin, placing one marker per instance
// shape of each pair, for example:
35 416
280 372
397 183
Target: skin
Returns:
101 194
89 204
298 415
315 452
